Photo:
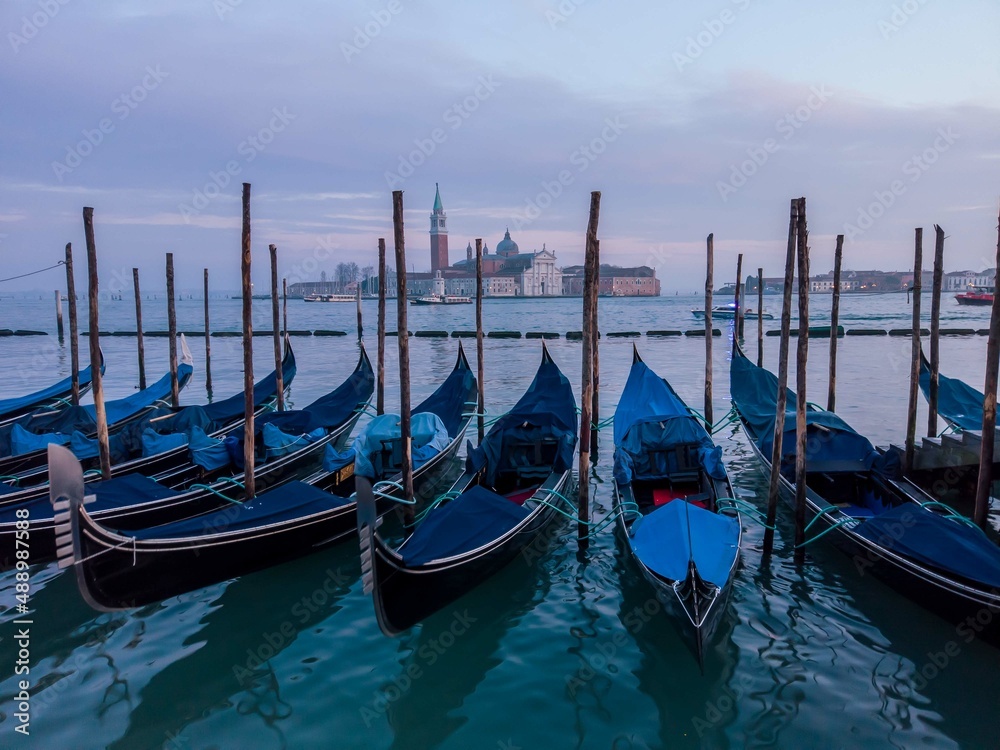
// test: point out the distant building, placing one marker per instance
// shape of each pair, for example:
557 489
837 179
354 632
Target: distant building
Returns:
615 281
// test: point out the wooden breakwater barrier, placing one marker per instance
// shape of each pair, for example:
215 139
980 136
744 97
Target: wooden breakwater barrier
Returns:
818 332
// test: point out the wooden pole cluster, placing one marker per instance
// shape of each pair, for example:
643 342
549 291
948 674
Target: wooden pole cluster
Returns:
760 317
709 283
140 343
380 374
932 390
595 343
738 322
985 480
175 395
403 336
911 413
74 334
800 380
481 407
284 310
276 327
587 383
249 479
59 317
93 291
774 485
838 257
208 344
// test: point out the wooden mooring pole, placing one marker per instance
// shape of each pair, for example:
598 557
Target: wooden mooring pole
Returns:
208 343
284 310
403 336
59 317
800 382
357 300
911 412
774 485
175 392
587 383
380 374
93 292
481 405
932 389
74 333
140 343
738 322
709 283
985 480
838 258
760 317
276 327
249 479
595 343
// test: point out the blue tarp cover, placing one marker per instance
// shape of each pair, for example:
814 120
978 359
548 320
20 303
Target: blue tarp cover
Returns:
22 441
829 438
453 398
546 411
207 452
230 409
475 518
44 396
153 442
112 493
917 533
429 436
650 419
958 403
82 418
278 443
283 503
660 541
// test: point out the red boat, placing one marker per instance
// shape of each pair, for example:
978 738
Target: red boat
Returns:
980 295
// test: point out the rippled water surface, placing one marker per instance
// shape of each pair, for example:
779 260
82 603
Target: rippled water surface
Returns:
570 651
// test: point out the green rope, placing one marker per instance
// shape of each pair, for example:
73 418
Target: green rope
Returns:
951 513
230 480
439 500
209 488
815 406
824 532
377 491
732 503
92 473
59 401
11 478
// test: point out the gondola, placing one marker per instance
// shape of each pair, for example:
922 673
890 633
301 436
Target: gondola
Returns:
888 526
498 508
673 504
118 570
289 444
54 397
959 404
155 445
23 442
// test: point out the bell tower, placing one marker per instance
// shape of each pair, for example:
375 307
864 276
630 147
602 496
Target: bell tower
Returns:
439 234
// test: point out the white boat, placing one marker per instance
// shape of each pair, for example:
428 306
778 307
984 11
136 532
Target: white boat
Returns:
329 298
442 299
728 312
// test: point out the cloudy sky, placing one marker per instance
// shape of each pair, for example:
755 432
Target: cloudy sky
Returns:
690 118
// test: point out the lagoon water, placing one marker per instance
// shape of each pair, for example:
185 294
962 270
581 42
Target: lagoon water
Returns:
567 652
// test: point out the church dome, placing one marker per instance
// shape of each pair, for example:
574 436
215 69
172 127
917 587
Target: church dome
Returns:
507 246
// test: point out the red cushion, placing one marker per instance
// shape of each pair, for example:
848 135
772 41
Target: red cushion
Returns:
520 496
664 495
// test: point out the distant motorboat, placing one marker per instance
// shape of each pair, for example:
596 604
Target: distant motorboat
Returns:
329 298
728 312
979 295
441 299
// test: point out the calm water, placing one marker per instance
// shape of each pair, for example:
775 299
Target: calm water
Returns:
569 652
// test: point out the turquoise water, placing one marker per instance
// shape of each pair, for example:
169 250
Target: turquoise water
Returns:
567 652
